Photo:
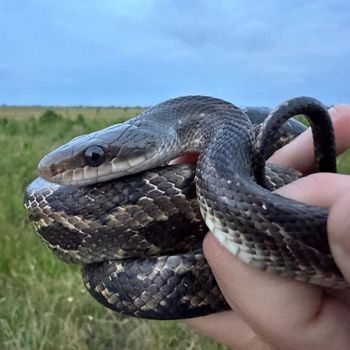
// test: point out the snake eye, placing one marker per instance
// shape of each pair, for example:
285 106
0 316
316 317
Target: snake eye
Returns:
94 156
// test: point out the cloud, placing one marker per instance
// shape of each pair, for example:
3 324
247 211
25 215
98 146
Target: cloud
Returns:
133 52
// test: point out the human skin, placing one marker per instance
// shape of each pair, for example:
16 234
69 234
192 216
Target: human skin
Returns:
271 312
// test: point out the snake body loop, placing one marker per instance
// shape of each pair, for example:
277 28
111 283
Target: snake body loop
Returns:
117 229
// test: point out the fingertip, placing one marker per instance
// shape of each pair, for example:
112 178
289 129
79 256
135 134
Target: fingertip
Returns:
340 109
341 122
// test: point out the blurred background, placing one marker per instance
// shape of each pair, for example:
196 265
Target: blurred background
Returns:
71 67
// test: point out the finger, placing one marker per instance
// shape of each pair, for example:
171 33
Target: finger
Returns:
321 189
229 329
299 154
287 313
339 232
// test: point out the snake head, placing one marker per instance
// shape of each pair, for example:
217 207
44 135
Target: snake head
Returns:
106 154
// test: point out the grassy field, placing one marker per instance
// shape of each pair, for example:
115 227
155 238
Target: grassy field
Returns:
43 304
107 114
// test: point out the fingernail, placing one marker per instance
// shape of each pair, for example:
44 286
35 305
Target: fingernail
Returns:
333 112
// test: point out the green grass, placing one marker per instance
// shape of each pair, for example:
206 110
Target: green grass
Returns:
105 113
43 304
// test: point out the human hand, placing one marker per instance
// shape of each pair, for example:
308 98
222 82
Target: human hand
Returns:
272 312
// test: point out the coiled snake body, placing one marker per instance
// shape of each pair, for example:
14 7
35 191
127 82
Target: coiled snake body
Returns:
139 237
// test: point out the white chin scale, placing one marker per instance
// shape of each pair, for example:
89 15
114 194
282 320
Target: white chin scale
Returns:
224 238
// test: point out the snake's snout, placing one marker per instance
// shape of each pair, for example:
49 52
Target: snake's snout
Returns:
47 168
57 165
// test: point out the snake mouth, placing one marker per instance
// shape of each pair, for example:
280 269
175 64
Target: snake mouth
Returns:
188 158
109 170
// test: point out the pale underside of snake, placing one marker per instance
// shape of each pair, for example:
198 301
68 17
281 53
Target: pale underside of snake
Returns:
114 205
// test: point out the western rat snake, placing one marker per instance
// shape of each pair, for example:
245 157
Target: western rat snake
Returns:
139 237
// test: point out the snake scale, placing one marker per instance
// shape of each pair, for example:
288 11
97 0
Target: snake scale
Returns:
110 201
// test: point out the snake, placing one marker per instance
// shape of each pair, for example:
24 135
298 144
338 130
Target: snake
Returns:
112 202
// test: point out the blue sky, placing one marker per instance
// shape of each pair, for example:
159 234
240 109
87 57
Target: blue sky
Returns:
135 52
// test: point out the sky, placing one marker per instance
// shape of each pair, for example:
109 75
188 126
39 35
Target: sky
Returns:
139 53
